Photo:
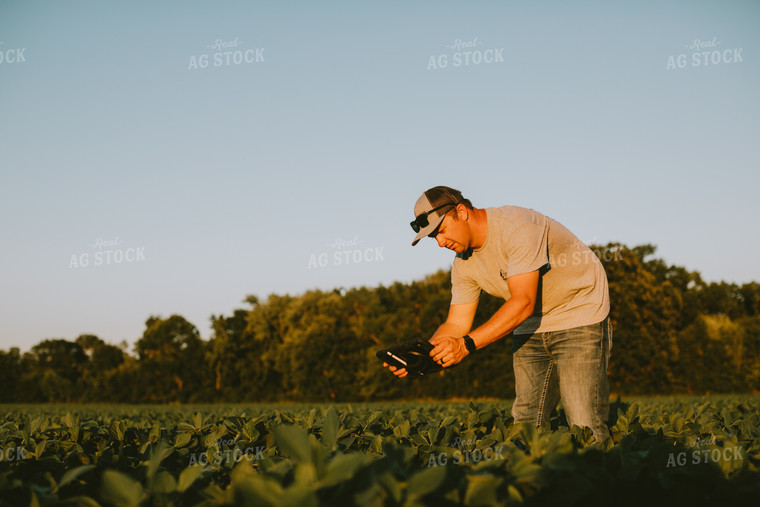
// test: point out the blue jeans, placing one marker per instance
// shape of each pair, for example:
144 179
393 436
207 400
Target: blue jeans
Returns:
570 365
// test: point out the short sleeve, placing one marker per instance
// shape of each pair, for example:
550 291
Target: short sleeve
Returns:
463 288
528 248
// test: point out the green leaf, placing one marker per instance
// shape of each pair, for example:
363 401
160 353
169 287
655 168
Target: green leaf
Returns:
514 494
377 444
529 435
305 474
187 477
80 501
346 443
254 490
341 468
318 453
502 427
633 412
374 417
311 418
163 482
182 440
481 490
424 482
250 432
73 474
39 450
158 454
210 440
155 432
330 428
293 441
373 496
117 429
299 495
447 421
402 430
418 439
72 423
68 420
391 485
433 433
120 490
35 425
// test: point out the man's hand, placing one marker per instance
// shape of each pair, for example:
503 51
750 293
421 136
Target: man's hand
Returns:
399 372
448 351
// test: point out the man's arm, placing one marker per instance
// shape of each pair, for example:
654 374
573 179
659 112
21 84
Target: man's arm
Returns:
458 323
449 346
459 320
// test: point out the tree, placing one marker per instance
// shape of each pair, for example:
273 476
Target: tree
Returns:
61 363
230 345
171 355
672 333
645 308
10 375
100 368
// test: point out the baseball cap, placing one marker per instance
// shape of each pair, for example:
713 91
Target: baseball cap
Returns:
436 197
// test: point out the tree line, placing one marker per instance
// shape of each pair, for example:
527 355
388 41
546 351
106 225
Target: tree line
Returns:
673 334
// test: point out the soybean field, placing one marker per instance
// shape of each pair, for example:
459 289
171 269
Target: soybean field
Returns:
666 451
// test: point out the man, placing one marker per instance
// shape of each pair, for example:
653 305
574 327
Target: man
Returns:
557 304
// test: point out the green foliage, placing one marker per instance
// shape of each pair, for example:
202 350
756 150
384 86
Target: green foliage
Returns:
706 451
172 365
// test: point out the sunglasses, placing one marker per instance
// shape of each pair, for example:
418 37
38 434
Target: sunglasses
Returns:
422 219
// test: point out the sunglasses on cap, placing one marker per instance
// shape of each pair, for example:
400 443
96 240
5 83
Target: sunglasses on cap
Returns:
422 219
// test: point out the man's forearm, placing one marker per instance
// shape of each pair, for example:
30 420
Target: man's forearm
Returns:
511 314
449 329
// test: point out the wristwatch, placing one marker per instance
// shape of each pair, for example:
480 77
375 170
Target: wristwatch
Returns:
469 343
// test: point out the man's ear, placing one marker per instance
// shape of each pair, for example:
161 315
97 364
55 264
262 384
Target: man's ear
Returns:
462 212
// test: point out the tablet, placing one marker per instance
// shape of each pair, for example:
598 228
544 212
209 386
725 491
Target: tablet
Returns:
413 355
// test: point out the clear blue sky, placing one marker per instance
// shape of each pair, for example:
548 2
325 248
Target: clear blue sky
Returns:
230 180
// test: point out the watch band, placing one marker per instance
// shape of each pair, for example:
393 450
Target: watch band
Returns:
470 344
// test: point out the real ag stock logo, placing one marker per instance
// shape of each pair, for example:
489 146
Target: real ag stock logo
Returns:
345 252
12 453
226 456
463 53
11 55
706 450
704 53
106 253
226 53
465 454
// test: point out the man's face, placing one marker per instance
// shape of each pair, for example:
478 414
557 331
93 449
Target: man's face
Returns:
453 234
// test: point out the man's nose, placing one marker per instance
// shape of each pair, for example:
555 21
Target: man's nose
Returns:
440 240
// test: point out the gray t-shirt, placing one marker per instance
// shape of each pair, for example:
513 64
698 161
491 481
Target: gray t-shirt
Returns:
572 283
